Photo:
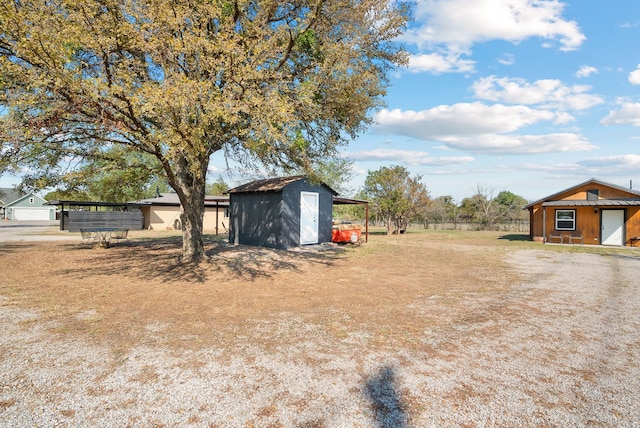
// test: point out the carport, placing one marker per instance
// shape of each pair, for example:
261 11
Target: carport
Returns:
347 201
98 214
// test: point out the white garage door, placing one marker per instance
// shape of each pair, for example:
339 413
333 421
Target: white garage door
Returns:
30 214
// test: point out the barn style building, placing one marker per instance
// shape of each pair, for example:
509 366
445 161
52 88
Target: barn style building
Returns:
593 212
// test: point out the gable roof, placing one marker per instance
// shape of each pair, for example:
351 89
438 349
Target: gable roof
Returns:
549 200
272 185
9 195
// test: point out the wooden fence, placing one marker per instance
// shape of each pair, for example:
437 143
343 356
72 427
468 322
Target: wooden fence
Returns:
125 220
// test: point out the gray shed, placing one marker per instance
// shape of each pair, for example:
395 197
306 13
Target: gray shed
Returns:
282 213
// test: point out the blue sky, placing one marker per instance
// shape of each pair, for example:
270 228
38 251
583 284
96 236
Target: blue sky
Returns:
530 96
520 95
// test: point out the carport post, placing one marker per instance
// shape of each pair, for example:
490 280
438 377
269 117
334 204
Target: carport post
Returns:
544 225
217 209
366 222
61 216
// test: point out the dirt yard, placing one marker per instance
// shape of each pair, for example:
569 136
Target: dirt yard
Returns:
469 329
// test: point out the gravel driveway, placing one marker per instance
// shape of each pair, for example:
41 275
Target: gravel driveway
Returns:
560 349
34 231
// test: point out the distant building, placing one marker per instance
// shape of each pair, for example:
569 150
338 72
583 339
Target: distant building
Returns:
18 206
162 212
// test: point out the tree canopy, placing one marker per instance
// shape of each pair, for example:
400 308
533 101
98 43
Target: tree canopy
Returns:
267 82
397 197
486 210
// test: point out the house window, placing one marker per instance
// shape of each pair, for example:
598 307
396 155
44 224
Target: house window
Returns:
31 200
565 219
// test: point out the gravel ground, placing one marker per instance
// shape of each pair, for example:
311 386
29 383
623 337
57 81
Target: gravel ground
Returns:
559 349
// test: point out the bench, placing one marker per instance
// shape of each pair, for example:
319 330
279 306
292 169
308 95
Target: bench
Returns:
102 236
556 234
575 235
88 237
119 234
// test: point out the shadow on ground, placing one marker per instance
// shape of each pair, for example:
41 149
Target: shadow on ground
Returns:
516 237
385 400
160 259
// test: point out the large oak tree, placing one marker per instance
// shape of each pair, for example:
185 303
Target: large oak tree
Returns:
271 82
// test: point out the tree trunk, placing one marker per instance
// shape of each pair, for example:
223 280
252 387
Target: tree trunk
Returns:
191 192
192 219
388 222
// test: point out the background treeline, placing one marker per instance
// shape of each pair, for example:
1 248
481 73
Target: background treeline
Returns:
399 201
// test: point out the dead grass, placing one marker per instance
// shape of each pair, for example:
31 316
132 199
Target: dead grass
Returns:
117 294
138 292
432 328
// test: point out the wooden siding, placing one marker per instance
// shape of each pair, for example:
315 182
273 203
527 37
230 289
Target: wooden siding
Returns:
633 226
535 223
604 192
588 218
587 222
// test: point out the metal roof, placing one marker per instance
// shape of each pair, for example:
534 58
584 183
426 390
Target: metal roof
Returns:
598 203
93 204
591 181
348 201
171 199
272 185
165 199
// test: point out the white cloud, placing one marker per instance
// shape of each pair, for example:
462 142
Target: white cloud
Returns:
630 162
438 63
479 128
586 71
462 23
507 59
627 114
459 119
499 144
634 76
547 93
410 157
601 167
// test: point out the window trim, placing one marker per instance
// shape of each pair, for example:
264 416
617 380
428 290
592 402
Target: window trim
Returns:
557 220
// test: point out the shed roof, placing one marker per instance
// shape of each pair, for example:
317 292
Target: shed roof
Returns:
546 201
272 185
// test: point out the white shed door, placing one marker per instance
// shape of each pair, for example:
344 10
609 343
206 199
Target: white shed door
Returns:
612 227
30 214
309 208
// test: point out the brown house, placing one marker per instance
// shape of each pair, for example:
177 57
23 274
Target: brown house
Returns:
593 212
